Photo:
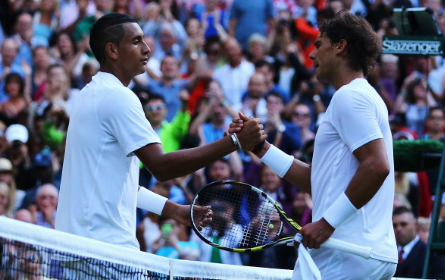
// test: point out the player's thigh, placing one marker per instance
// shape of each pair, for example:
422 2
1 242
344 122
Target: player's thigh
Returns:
339 265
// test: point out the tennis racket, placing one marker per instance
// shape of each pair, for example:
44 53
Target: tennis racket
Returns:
245 219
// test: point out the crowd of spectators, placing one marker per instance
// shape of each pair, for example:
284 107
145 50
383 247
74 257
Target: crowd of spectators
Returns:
209 59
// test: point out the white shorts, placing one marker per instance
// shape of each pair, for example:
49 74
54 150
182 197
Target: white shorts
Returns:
338 265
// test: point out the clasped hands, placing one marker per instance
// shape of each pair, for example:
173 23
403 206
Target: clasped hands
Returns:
249 131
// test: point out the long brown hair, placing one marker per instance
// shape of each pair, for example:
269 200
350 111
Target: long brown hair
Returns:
364 44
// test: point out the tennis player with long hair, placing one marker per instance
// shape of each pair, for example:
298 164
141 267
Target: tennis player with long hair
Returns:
108 135
351 178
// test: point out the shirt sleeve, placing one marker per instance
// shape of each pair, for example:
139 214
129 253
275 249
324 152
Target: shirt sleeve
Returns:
234 10
355 119
269 10
125 120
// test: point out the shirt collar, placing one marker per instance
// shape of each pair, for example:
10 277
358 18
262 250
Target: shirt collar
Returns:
408 247
107 79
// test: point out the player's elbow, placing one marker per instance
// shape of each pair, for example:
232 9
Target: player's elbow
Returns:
383 172
160 174
381 169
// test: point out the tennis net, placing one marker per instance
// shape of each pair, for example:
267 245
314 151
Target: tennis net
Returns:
32 252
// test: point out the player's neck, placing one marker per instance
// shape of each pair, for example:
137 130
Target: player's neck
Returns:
346 77
124 79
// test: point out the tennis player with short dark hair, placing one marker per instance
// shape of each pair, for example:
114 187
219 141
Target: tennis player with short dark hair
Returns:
351 178
108 135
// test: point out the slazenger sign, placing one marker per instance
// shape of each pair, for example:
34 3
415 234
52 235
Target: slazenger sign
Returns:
412 47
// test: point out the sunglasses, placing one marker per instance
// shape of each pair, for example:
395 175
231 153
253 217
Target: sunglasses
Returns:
435 118
151 108
301 114
213 52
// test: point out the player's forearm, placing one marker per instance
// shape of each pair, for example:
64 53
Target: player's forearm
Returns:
180 213
170 209
183 162
165 166
371 173
232 26
298 174
366 182
362 188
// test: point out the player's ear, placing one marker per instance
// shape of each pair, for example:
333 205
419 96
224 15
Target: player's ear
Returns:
111 50
341 45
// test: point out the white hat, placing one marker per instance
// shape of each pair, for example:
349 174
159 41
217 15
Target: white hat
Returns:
5 164
17 132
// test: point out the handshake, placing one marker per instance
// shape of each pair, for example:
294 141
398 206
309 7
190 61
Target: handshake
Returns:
247 133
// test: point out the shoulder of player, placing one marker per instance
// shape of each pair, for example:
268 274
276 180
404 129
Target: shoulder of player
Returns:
118 99
353 93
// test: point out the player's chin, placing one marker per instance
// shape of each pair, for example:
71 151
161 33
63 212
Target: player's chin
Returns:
138 71
142 67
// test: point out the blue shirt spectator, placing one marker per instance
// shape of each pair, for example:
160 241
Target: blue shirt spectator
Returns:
248 17
170 93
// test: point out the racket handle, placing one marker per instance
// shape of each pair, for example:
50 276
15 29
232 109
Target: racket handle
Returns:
361 251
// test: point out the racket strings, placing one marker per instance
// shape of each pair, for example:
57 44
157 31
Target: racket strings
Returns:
242 218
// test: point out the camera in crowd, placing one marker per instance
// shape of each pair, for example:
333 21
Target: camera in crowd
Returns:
16 144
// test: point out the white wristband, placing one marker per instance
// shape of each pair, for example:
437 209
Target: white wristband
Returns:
151 201
340 211
277 160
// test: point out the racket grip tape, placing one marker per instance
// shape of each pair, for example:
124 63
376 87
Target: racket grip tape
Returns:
361 251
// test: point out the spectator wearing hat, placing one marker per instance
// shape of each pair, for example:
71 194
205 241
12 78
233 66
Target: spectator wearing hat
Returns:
43 167
7 177
6 200
18 153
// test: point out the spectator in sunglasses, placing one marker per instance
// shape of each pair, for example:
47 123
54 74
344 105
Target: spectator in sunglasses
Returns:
301 116
171 133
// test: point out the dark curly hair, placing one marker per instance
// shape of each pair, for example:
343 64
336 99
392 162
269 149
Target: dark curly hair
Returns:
105 30
15 77
364 44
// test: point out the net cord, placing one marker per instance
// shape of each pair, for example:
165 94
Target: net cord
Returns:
77 245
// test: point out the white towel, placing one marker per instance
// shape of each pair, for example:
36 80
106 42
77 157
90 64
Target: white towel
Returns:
308 269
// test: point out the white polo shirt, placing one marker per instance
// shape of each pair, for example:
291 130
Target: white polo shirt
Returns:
355 116
98 193
234 81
